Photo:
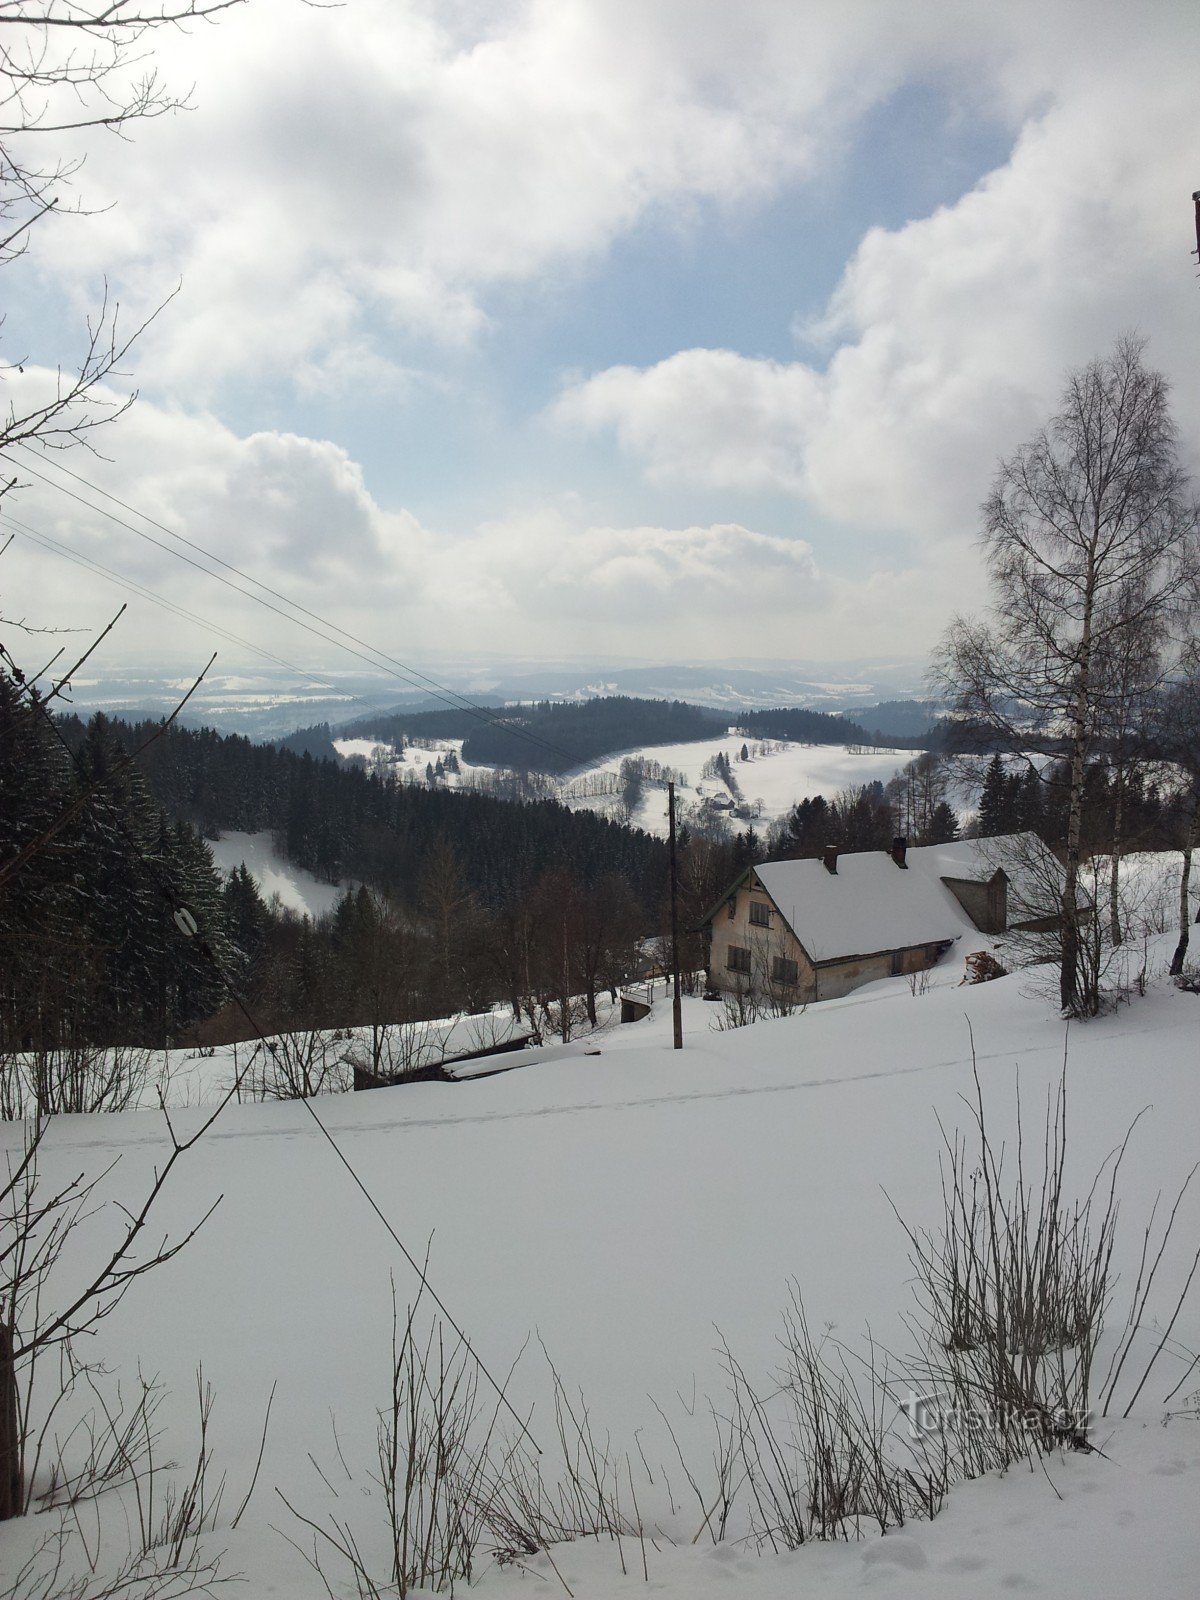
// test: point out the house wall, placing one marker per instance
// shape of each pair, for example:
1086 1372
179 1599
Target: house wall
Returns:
840 977
764 945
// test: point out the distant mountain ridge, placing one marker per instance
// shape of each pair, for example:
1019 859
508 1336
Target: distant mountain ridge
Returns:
266 702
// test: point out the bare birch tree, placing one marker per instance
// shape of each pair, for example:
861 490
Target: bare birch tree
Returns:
1175 734
1090 534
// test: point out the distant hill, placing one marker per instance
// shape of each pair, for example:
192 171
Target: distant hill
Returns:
807 727
904 719
555 736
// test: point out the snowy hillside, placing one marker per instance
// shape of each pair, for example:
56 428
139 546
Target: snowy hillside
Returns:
297 889
623 1208
777 775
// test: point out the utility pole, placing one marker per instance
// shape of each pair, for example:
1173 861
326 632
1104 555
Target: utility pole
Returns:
676 1008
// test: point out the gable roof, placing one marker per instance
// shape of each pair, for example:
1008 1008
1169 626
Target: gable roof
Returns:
869 905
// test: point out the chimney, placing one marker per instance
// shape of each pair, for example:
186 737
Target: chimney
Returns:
830 859
900 850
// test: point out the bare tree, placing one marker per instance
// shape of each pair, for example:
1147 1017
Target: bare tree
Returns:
1175 734
1089 534
1130 666
70 67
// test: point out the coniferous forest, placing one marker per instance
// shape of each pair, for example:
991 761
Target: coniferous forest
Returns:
455 900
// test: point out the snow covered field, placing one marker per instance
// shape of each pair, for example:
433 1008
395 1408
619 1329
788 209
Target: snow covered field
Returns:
296 887
623 1207
778 774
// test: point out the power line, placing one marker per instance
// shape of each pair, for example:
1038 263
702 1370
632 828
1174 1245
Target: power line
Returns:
188 926
132 586
378 659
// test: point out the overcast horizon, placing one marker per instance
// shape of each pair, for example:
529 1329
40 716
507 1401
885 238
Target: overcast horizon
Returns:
588 330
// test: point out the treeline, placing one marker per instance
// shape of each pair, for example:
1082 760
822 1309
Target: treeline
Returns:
553 736
859 819
575 733
467 901
806 727
1125 809
91 873
1122 809
346 823
421 727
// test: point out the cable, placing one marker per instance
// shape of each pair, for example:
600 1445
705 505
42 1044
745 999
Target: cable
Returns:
132 586
397 669
209 555
185 921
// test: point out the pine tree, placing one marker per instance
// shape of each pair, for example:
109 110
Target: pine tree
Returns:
1030 808
943 824
992 804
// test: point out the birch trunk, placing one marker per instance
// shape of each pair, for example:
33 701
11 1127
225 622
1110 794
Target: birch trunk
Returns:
1179 959
1114 888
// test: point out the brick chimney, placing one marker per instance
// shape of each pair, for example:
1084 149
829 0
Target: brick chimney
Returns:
830 859
900 850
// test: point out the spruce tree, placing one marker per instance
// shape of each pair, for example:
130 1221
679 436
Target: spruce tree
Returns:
992 804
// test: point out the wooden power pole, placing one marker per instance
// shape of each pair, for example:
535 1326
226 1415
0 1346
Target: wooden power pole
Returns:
676 1007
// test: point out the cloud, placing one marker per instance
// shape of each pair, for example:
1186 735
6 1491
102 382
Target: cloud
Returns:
393 161
295 512
946 339
357 184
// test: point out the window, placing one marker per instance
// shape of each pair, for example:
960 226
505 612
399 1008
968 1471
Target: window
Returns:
897 963
760 914
785 971
738 959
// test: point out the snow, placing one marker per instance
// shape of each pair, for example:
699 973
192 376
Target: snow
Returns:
296 887
202 1078
869 904
779 773
623 1207
362 749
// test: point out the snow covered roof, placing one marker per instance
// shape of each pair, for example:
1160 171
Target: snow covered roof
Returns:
1032 870
869 904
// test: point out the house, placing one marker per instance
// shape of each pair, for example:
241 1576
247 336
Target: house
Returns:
816 929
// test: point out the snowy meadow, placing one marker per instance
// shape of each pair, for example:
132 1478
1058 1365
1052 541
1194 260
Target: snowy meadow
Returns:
615 1231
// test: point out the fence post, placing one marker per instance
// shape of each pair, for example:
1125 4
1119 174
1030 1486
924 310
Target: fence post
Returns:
11 1486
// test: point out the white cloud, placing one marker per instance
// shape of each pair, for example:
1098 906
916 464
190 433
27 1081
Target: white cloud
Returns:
296 513
356 173
947 338
395 159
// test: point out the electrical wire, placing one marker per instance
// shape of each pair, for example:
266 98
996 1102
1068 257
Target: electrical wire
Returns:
189 927
378 659
132 586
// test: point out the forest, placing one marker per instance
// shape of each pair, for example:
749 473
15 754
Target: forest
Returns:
555 736
454 901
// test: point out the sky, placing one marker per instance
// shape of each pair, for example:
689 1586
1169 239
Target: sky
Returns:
598 328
